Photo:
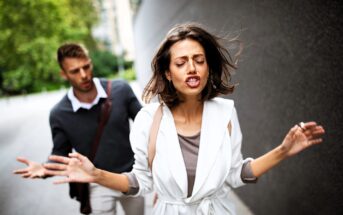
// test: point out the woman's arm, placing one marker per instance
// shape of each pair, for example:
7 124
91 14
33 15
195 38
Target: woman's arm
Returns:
78 168
298 138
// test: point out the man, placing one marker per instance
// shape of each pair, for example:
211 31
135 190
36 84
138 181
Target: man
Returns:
74 122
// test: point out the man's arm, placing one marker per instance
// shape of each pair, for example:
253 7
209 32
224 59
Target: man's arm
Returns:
61 144
133 104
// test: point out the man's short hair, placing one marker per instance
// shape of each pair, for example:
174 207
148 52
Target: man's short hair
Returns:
71 50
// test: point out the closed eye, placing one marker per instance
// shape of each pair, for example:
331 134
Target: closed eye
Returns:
179 64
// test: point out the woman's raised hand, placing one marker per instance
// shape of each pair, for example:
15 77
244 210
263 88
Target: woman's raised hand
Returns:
76 168
302 136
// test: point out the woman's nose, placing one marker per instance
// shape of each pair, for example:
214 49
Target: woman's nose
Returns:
191 68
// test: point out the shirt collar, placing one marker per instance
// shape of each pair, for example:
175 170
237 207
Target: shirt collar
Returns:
77 104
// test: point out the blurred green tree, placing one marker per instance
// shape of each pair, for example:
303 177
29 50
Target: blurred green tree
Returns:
30 34
104 62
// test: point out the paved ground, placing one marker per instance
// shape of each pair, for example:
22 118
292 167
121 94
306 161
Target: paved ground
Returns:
24 131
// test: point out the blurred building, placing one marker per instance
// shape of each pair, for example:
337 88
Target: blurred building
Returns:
115 29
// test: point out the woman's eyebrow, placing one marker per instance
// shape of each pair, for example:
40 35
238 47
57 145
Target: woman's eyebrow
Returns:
186 57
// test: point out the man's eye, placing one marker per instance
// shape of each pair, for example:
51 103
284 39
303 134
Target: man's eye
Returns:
86 67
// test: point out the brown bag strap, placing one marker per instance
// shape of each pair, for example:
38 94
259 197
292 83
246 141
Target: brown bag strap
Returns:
104 115
153 135
229 127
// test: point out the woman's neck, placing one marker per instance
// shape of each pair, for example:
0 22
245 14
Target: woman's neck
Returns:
188 117
188 109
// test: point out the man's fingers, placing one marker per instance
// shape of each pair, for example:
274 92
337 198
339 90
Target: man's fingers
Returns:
23 160
34 176
26 175
20 171
59 159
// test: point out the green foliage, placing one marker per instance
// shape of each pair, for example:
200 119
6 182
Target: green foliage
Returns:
129 74
104 63
30 33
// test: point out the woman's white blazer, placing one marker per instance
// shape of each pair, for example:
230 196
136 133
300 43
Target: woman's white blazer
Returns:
218 168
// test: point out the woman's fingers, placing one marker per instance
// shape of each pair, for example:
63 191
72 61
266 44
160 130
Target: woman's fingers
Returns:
293 130
314 132
59 159
55 166
55 173
309 125
63 181
316 141
77 156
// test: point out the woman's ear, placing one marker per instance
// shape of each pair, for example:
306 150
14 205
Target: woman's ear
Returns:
168 76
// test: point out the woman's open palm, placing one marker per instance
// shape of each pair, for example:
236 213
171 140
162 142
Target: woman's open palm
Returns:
76 168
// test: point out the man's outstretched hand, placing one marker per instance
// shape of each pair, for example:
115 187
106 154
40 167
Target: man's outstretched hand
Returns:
33 169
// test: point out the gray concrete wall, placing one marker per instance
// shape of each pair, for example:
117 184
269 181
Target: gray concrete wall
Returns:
290 71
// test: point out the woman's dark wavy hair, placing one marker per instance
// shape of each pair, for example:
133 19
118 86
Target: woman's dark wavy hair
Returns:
219 62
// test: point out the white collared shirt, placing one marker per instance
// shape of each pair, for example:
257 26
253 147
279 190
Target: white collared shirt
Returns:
77 104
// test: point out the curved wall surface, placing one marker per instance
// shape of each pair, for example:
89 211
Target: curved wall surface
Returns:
291 70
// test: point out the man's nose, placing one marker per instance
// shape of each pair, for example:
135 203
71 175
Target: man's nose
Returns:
83 73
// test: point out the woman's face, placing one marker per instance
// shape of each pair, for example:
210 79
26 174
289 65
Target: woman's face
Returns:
188 69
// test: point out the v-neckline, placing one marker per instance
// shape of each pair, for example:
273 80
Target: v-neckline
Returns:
180 150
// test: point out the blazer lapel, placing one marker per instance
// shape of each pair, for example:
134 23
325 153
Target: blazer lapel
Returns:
174 155
213 128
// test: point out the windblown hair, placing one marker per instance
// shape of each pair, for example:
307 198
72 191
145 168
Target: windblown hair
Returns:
71 50
219 62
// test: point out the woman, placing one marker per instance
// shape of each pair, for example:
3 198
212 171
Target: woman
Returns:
198 147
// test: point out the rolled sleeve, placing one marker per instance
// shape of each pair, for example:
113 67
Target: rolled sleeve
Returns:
133 184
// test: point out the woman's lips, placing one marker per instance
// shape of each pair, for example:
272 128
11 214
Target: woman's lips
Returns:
193 81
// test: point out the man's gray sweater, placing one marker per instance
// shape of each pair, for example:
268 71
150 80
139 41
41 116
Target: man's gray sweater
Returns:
76 130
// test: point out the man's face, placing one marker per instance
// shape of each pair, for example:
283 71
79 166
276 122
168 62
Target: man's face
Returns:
78 71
